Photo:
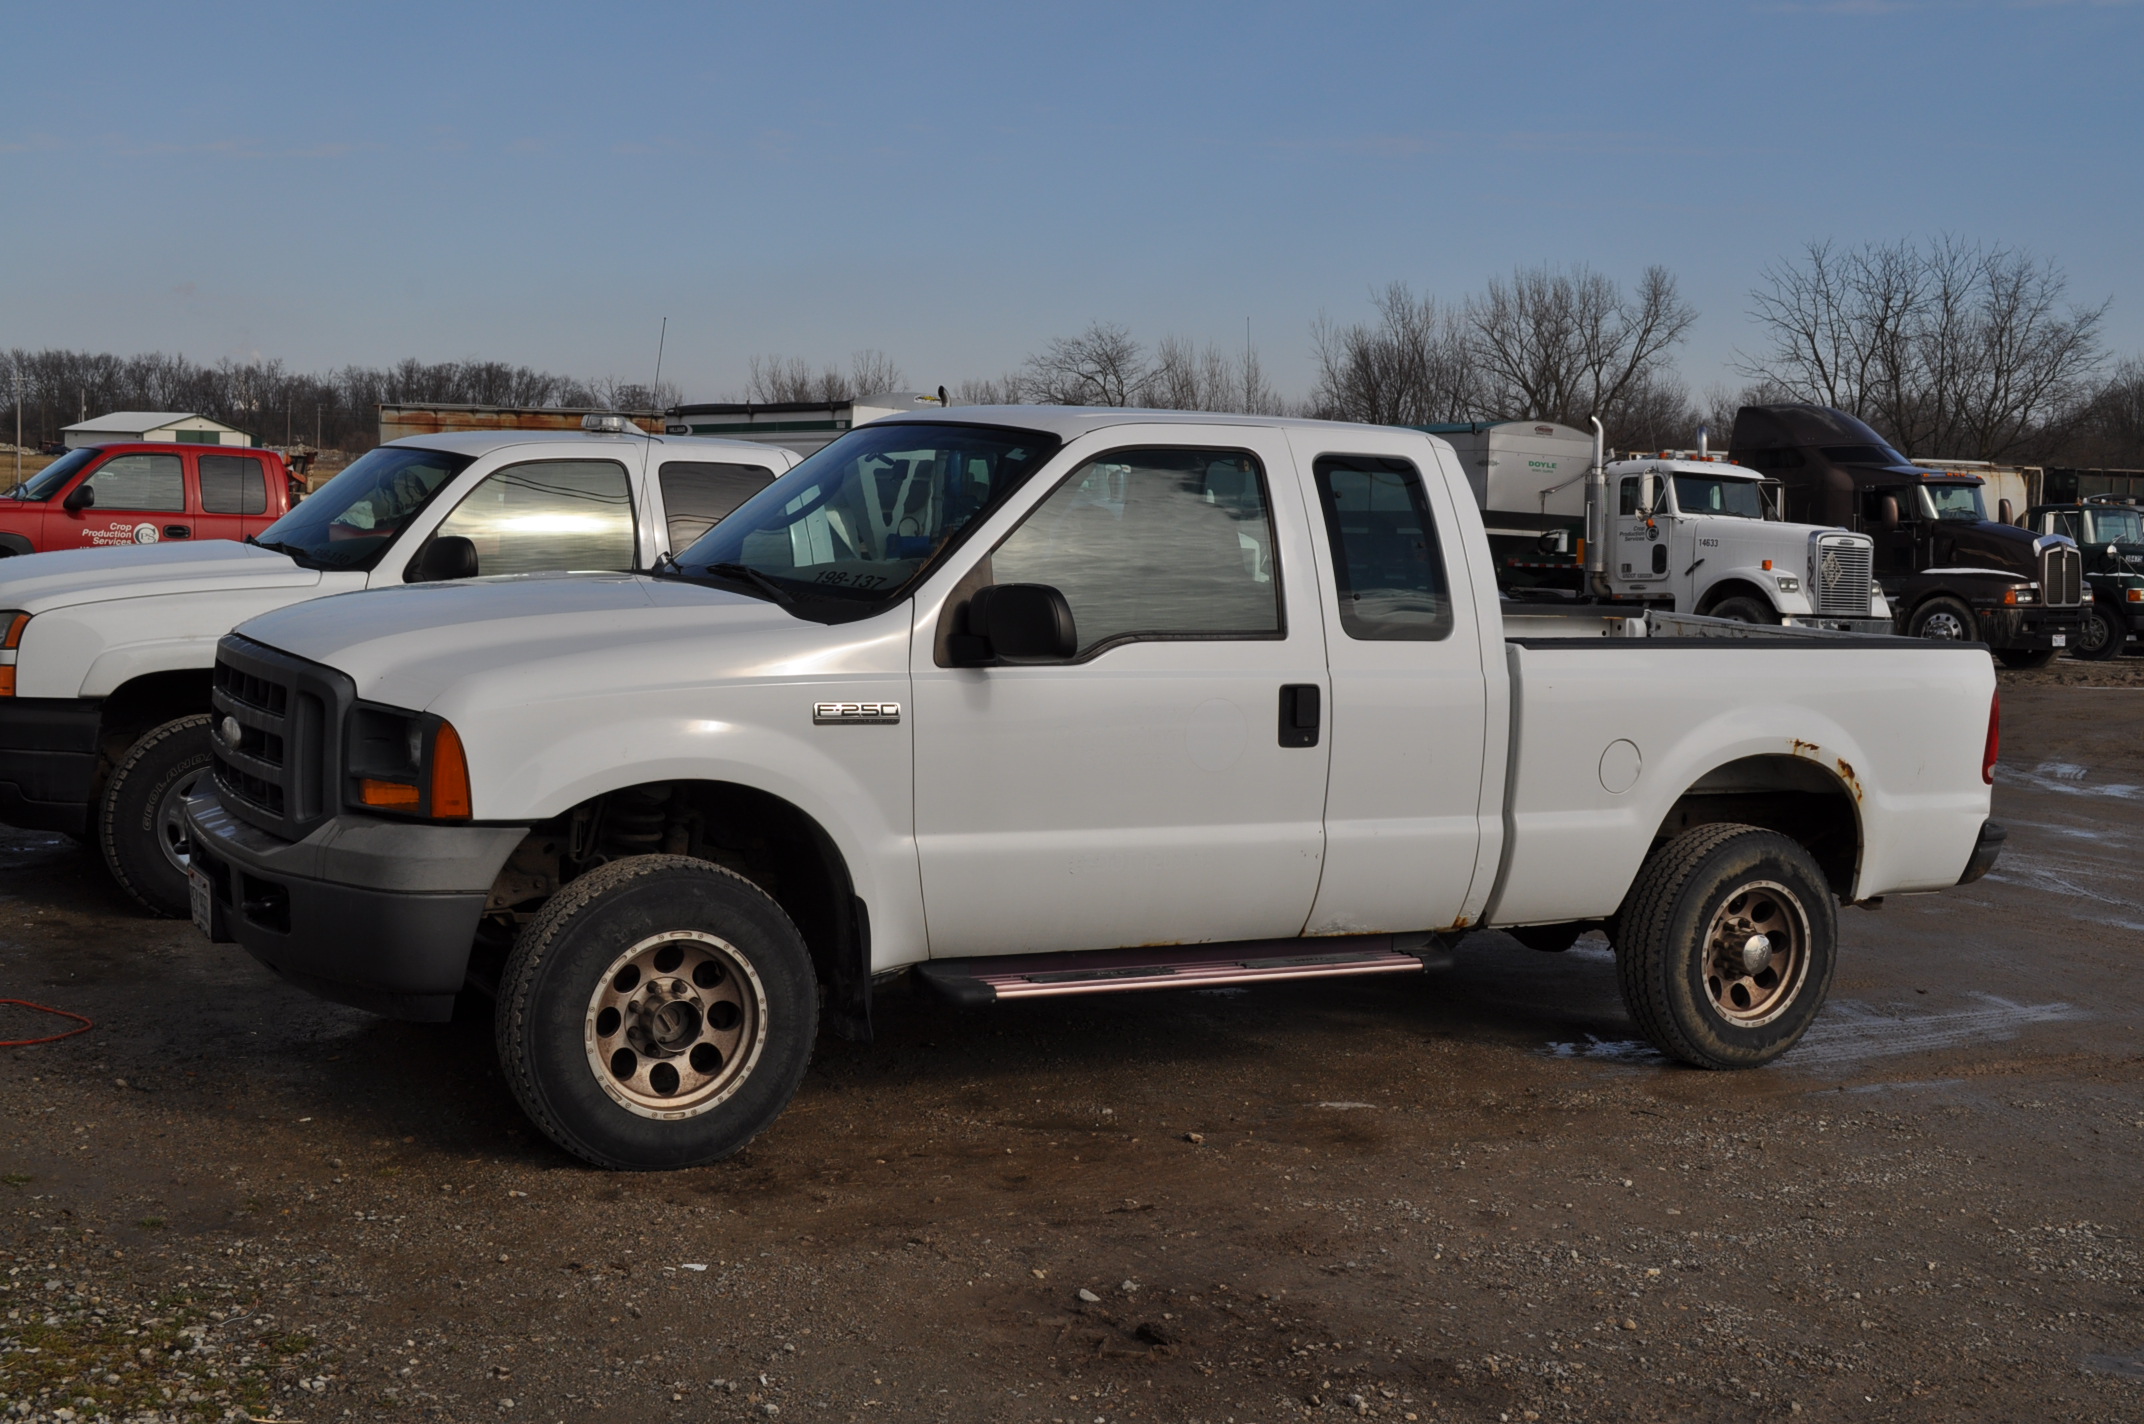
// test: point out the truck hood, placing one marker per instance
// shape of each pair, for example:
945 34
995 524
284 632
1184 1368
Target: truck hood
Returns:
406 645
39 583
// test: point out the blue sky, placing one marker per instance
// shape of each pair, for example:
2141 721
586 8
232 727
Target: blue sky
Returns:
954 184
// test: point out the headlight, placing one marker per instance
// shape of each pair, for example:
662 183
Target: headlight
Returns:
405 763
2021 593
1788 583
10 639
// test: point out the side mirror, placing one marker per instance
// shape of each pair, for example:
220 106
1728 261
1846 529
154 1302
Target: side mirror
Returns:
1015 622
1890 511
2004 513
449 556
79 498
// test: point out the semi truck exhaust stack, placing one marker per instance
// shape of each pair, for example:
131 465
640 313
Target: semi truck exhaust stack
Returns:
1597 513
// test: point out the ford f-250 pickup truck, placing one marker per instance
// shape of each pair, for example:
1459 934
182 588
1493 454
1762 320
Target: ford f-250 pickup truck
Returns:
104 676
1037 701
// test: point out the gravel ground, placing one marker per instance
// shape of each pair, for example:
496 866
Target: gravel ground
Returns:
1471 1196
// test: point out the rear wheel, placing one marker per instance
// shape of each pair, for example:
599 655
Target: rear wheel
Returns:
1744 609
658 1013
141 823
2098 636
2025 659
1944 619
1725 946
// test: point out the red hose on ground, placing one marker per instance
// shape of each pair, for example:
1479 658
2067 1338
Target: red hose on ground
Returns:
82 1019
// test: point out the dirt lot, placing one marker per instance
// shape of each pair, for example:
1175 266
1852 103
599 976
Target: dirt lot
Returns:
1468 1197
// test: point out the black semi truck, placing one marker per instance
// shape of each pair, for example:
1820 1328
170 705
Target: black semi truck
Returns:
1949 570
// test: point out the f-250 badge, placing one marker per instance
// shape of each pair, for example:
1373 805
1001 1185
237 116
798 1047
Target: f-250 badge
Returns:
856 714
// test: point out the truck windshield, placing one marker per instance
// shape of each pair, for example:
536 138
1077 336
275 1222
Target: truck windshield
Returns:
48 481
1709 494
2117 526
1960 502
854 525
349 521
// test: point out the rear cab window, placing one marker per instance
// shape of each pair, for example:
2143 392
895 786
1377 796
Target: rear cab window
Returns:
1390 572
232 484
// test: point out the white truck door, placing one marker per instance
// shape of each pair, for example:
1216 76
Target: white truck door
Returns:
1641 530
1147 791
1402 809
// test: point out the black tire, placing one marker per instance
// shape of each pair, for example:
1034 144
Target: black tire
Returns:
2098 637
138 827
1692 897
571 958
1549 939
1744 609
1944 619
2024 659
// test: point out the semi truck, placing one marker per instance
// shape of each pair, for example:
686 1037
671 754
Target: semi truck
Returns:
1691 533
1951 572
1028 702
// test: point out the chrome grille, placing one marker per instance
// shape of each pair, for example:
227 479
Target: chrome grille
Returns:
273 734
1839 577
2061 576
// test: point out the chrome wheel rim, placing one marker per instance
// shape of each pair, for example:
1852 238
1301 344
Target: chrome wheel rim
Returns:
170 822
2093 631
1943 624
1751 983
676 1024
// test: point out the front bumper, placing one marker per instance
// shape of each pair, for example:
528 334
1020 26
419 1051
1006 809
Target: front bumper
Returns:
374 913
1881 626
48 762
2008 627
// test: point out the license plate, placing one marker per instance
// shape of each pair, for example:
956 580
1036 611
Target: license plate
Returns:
2062 640
203 898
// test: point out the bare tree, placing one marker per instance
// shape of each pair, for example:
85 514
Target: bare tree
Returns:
1413 366
2107 429
874 373
776 379
1947 348
1008 389
1103 365
1184 377
1562 346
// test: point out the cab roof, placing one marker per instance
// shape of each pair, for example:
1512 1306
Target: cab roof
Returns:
478 443
1068 422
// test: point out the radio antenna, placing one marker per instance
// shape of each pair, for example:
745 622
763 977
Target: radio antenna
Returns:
655 392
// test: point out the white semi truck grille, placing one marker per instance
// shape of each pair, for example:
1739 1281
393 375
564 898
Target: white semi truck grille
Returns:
1839 576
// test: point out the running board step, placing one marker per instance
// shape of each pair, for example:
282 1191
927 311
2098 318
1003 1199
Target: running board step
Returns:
974 982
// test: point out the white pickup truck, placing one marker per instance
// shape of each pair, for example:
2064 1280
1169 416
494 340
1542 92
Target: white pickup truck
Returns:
1039 701
104 678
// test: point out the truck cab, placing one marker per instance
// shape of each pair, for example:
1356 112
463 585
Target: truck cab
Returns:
145 492
1950 571
1705 536
2110 540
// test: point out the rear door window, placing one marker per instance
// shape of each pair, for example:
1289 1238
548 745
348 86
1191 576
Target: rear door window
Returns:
1385 557
699 494
232 484
548 515
147 482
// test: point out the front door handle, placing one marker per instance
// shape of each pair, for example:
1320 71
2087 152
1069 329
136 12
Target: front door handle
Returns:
1299 709
178 531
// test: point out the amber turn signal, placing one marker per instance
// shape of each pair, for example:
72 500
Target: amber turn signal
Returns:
388 795
450 775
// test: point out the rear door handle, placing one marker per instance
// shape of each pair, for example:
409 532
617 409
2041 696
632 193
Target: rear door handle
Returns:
178 531
1299 708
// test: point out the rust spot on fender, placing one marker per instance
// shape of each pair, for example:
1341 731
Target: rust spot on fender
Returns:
1846 774
1458 924
1801 748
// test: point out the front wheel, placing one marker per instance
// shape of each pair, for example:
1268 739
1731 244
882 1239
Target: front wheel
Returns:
2098 636
658 1013
1725 945
1743 609
141 824
2025 659
1944 619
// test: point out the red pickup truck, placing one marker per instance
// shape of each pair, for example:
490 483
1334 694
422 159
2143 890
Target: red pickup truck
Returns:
140 493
